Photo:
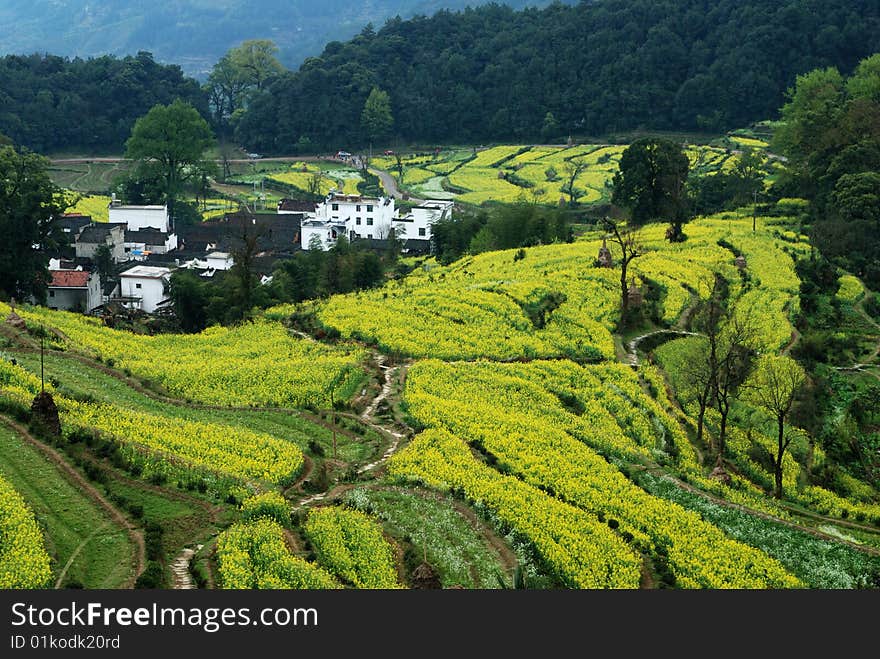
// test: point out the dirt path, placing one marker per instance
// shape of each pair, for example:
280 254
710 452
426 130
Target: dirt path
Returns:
308 468
332 493
292 542
659 471
369 418
369 414
870 361
79 481
180 569
633 344
792 342
390 185
63 573
508 559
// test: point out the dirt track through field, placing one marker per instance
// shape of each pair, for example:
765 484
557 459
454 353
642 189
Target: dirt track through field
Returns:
80 482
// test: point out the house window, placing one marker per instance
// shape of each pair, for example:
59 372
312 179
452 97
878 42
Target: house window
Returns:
421 231
335 207
358 208
369 221
358 221
51 293
370 236
137 285
369 208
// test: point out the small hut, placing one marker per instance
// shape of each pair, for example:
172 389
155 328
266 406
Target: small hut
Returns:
44 414
605 260
424 577
16 321
740 262
634 295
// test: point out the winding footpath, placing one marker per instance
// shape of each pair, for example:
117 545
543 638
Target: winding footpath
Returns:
369 418
77 479
633 345
180 569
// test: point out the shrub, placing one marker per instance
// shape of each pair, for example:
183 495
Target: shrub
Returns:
268 504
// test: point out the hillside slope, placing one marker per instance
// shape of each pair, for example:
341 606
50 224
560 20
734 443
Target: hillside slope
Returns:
195 33
493 74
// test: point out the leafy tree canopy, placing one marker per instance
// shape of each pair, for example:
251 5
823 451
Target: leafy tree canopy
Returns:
170 140
30 205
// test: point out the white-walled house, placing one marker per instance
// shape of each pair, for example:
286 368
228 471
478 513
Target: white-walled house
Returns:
74 290
140 244
369 218
416 225
364 217
210 264
143 287
327 232
140 217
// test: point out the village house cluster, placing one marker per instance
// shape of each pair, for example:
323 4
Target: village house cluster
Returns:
144 247
358 218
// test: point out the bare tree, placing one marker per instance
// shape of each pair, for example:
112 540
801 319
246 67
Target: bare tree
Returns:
245 235
314 184
697 375
630 249
773 386
573 168
732 356
227 153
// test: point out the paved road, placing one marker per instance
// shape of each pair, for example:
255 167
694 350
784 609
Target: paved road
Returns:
390 185
115 159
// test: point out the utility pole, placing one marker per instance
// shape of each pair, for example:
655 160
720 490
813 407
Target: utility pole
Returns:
42 379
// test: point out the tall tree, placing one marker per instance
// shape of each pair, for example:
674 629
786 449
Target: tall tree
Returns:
376 118
170 140
30 205
773 386
651 184
573 168
256 60
189 300
241 73
246 236
733 353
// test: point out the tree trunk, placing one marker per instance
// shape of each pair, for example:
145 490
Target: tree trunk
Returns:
624 298
778 463
700 418
724 410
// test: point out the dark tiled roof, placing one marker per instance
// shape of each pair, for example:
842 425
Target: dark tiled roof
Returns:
97 232
72 222
296 206
148 235
276 233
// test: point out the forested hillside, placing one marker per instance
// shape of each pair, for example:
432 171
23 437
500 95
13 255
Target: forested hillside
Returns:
195 33
51 103
496 74
486 74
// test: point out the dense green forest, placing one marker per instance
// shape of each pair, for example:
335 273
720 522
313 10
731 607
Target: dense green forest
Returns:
831 135
485 74
50 103
195 33
496 74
